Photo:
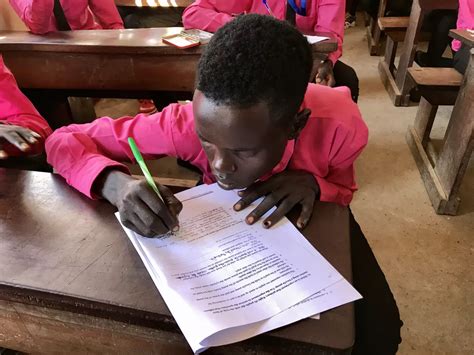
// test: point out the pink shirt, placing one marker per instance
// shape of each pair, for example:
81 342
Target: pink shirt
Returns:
322 16
465 19
17 110
327 147
38 15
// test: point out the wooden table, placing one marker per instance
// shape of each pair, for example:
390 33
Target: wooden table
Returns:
132 63
399 85
72 282
465 36
154 3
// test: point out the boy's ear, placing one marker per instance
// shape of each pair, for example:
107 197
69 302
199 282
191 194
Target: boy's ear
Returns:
298 123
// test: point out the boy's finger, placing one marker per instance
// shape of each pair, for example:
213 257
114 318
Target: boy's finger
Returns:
27 134
268 202
144 229
157 211
280 212
3 154
152 224
252 193
307 206
15 139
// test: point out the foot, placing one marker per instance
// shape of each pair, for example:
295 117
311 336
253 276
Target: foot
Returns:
350 21
147 106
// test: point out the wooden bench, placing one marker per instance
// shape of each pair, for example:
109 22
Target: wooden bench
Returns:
442 172
396 80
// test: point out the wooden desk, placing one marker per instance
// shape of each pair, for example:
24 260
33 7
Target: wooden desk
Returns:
154 3
72 282
113 60
465 36
399 85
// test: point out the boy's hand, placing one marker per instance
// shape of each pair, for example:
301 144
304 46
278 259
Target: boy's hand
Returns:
325 75
18 136
286 190
140 208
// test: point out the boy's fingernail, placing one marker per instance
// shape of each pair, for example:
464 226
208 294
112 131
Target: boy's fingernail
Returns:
267 224
237 206
250 220
240 193
35 134
24 146
3 155
175 229
33 140
300 225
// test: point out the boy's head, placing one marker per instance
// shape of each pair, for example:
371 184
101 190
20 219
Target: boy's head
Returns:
251 82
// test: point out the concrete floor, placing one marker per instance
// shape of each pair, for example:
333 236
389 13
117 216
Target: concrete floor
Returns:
427 258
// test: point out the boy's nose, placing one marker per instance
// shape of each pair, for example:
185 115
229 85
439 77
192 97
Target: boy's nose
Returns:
223 165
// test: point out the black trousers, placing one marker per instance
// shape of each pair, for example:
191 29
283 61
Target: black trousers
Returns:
461 59
376 316
346 76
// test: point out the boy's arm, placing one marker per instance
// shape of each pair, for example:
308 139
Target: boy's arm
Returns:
210 15
106 14
17 110
339 184
331 19
36 14
80 153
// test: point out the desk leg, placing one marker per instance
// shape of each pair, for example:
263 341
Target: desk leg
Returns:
458 142
408 52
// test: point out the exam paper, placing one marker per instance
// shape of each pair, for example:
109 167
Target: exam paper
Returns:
219 275
315 39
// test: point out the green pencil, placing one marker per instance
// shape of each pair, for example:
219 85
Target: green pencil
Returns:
143 167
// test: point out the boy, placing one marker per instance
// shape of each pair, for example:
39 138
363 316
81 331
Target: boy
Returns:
255 124
22 129
308 16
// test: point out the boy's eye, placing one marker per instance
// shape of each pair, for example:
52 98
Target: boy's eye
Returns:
245 153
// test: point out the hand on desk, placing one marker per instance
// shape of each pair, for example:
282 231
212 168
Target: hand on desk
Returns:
287 189
20 137
140 208
325 75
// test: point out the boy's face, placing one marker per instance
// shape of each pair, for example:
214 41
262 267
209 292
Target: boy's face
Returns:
241 145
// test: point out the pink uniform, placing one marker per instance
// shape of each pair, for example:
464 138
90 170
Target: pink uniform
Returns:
321 16
465 19
38 15
16 109
332 139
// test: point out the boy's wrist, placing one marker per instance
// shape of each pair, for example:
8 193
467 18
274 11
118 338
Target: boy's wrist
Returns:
109 184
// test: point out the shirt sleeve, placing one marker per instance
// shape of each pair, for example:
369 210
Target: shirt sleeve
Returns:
210 15
81 152
106 13
331 19
348 141
36 14
16 109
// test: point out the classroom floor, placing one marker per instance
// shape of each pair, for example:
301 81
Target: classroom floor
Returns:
427 258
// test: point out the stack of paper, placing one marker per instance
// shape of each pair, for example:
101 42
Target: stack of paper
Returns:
225 281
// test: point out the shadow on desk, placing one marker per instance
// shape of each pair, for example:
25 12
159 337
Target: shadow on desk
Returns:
34 163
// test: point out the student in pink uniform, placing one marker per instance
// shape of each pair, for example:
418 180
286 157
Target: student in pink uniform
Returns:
255 125
465 21
39 15
44 16
22 129
309 16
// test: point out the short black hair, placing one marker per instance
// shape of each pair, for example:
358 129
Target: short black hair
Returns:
256 58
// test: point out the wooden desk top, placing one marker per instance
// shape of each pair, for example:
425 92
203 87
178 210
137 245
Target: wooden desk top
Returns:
465 36
128 41
154 3
63 251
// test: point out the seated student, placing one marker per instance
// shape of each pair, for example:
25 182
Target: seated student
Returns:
44 16
465 21
310 16
41 16
22 129
255 124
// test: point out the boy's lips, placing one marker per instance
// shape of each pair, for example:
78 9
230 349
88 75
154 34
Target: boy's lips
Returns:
226 186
